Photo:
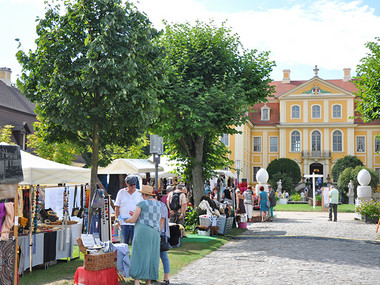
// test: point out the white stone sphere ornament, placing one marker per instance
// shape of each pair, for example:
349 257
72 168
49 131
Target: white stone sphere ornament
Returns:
364 178
262 176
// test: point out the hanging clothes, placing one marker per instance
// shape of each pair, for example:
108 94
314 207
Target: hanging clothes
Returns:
7 258
8 221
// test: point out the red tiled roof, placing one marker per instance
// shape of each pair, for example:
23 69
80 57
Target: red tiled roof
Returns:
281 88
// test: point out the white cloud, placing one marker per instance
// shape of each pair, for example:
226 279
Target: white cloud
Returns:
331 34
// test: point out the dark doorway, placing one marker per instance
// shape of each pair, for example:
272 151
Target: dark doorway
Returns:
317 168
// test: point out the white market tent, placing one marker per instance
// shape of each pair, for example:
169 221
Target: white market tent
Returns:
168 166
127 166
37 170
227 173
41 171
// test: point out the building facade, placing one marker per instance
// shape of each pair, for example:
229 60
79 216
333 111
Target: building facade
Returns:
15 110
312 122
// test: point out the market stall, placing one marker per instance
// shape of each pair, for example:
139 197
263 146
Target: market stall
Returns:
42 241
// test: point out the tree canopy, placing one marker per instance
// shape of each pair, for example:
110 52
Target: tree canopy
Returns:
212 81
343 163
351 173
94 74
368 83
285 169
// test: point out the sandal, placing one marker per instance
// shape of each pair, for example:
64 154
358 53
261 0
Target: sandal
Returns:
165 282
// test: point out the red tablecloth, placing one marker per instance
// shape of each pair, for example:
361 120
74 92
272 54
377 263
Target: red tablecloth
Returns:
100 277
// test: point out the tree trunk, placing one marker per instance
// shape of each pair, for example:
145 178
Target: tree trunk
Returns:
197 171
94 166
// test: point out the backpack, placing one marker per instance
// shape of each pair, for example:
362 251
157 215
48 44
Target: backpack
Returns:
174 202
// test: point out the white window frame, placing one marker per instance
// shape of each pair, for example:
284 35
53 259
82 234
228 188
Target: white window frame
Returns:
359 144
295 147
337 146
255 169
320 140
257 147
319 111
377 145
225 139
334 115
377 169
265 110
273 147
293 111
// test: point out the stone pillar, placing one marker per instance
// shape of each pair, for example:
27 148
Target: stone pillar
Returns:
364 191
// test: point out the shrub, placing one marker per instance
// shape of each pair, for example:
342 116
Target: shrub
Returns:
191 219
343 163
285 169
295 197
371 209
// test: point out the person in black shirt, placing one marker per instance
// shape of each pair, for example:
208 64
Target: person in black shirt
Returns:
227 195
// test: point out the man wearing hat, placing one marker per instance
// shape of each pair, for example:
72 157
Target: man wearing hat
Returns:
125 205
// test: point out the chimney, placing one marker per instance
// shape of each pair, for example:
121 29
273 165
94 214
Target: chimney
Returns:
5 75
286 78
346 74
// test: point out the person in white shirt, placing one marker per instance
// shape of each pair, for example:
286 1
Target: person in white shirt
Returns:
125 205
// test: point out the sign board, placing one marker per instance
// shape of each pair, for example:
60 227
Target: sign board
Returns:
10 164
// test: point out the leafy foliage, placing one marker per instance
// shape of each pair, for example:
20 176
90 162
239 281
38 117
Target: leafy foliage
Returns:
351 173
94 74
285 169
295 197
6 133
191 219
368 75
343 163
212 83
371 209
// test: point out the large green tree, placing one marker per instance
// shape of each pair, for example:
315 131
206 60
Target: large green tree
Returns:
285 169
212 83
343 163
93 74
368 83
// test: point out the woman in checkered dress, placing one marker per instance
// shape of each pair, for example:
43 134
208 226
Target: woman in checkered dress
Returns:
145 256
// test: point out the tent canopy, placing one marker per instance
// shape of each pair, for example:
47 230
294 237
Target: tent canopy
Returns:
168 166
226 173
41 171
126 166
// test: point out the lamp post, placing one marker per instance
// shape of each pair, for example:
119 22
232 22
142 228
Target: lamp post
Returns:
156 148
237 168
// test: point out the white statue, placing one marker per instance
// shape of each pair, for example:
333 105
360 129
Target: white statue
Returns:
279 186
350 188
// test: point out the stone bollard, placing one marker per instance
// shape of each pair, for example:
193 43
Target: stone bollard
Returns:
364 191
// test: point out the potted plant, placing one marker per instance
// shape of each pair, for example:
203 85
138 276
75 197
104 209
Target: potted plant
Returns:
369 210
318 200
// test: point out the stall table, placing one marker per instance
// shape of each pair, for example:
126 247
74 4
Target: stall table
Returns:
100 277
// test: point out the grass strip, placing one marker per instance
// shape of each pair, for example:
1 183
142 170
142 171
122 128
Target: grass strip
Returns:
191 250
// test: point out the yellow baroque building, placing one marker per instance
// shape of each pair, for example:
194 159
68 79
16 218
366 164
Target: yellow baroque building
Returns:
309 121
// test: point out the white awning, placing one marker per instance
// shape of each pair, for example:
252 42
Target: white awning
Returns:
127 166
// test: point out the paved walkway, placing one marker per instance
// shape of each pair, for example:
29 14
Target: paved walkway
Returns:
297 248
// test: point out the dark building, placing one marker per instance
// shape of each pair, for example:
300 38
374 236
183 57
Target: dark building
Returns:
15 109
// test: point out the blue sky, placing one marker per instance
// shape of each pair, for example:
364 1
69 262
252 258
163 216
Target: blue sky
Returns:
298 33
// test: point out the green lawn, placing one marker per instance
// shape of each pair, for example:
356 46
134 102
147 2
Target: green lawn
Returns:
192 249
306 208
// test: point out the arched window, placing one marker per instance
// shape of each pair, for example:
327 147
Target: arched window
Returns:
337 111
296 112
316 112
296 141
316 141
337 141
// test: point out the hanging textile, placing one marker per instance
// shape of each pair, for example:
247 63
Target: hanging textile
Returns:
8 221
7 258
50 240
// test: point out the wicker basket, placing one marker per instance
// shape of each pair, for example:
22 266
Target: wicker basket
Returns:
95 262
204 221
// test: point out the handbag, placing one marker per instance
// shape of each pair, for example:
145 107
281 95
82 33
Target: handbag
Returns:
164 244
75 209
97 200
